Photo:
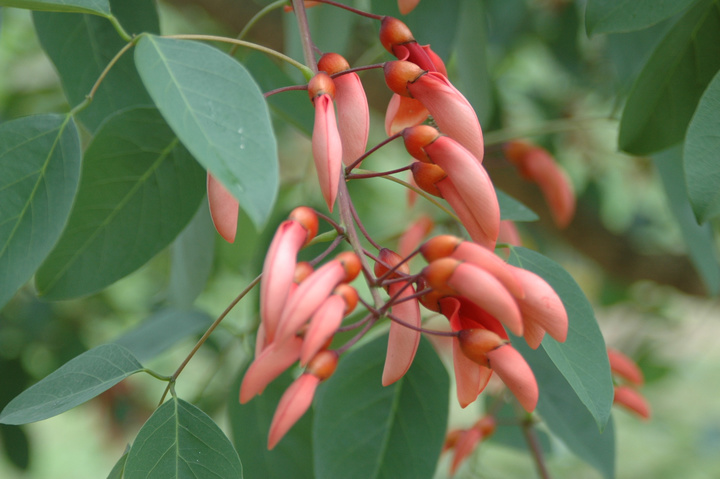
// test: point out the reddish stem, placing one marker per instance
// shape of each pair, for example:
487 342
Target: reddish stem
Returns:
371 151
351 9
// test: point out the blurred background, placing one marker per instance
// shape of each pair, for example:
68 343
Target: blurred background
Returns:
541 78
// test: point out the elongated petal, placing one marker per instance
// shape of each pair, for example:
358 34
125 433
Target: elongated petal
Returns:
323 325
471 181
278 272
413 236
402 342
484 258
466 444
271 363
625 367
294 403
403 112
223 209
509 364
327 148
509 233
353 119
475 229
632 400
473 316
542 305
470 377
533 333
308 297
483 289
407 6
450 110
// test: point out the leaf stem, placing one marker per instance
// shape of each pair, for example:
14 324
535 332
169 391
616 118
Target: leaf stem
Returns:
256 18
305 38
351 9
209 331
157 375
215 38
119 28
535 449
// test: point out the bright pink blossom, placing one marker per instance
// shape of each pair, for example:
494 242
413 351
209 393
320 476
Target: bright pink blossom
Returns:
326 143
223 209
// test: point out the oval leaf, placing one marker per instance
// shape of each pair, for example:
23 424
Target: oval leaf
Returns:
119 468
699 241
582 358
250 425
366 431
98 7
219 113
511 209
81 46
80 379
39 171
702 163
139 189
181 441
614 16
665 95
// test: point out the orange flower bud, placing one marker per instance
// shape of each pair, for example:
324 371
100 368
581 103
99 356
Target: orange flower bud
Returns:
323 365
477 343
399 73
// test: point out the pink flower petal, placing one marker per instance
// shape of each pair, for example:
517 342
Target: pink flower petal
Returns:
322 327
632 400
490 262
509 364
483 289
403 112
413 236
293 404
270 364
402 342
223 209
542 305
327 148
407 6
466 444
625 367
467 218
308 297
278 272
450 110
353 120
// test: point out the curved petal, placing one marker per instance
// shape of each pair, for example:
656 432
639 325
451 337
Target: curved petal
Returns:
294 403
542 305
465 446
471 182
322 326
223 209
509 233
407 6
327 148
470 377
403 342
632 400
270 364
308 297
465 215
413 236
484 258
483 289
625 367
403 112
278 272
450 110
353 119
509 364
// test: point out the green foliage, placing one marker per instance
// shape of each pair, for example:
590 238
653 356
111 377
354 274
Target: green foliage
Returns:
97 7
581 360
364 430
139 189
181 441
40 163
611 16
667 91
511 209
701 153
216 109
75 382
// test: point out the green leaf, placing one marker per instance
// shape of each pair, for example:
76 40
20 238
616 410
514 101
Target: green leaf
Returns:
613 16
250 424
366 431
698 238
665 95
510 433
81 46
582 358
181 441
139 189
219 113
161 331
512 209
97 7
191 259
474 78
39 171
80 379
565 414
16 445
702 165
119 468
